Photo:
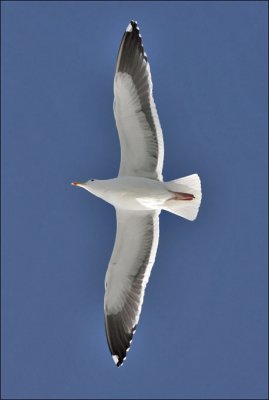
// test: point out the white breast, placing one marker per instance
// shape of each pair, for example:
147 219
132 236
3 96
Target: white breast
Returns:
133 193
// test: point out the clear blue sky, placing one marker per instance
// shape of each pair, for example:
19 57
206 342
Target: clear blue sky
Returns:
203 329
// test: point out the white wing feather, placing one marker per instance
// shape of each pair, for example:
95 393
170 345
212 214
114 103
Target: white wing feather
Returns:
137 121
127 276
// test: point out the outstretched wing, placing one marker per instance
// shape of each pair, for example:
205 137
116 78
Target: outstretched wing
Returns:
127 275
135 112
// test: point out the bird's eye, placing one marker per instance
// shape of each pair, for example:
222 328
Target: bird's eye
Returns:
92 180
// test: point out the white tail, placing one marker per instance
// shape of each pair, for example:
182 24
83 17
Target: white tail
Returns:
185 208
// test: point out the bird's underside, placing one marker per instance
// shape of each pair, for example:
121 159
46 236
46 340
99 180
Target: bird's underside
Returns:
138 194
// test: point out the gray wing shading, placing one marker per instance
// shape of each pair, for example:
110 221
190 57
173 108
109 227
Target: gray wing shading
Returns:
137 121
127 276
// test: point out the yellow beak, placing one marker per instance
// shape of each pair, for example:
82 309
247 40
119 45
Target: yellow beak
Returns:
78 183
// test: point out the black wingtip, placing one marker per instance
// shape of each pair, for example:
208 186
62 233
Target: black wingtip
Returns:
121 357
133 31
118 360
119 364
132 27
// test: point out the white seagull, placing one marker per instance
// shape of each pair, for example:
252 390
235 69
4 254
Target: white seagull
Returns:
138 194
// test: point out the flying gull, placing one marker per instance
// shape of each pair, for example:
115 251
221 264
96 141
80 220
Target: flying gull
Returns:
138 194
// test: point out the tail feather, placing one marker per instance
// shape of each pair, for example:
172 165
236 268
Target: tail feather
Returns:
185 208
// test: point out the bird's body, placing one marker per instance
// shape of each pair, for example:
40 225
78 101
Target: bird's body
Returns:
132 192
138 194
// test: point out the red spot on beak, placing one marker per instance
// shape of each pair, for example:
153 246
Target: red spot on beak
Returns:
74 183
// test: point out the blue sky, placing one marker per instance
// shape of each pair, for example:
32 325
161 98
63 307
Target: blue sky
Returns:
203 328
